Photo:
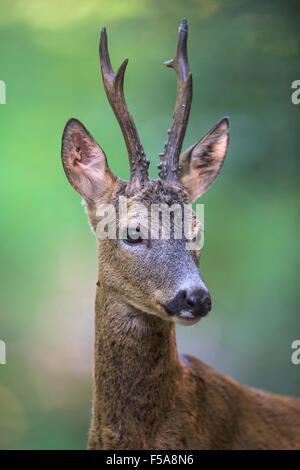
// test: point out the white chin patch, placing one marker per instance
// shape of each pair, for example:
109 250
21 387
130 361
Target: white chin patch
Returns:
185 318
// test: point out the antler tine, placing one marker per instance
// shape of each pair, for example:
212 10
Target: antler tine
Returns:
169 158
113 84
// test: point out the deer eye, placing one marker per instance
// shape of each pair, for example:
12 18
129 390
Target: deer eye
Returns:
133 235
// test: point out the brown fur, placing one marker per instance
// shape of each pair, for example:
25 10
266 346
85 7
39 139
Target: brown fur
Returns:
145 397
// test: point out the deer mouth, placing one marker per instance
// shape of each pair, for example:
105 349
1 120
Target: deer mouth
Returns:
184 317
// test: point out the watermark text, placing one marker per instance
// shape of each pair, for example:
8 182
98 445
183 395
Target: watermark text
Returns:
295 358
162 221
2 352
295 96
2 92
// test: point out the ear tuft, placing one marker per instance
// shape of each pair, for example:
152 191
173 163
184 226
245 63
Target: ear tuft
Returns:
85 162
201 163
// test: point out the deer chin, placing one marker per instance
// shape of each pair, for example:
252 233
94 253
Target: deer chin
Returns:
185 319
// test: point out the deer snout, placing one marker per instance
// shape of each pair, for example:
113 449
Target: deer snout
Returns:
189 305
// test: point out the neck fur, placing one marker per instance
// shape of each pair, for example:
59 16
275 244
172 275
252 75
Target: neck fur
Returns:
136 370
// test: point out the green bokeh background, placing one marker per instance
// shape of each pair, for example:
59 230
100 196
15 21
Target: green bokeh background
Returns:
244 56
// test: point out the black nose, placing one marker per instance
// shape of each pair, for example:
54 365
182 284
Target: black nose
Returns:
197 302
194 304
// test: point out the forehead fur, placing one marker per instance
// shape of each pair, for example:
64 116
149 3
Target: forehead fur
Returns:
157 192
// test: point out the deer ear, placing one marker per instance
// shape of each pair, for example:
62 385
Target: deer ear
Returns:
85 162
201 163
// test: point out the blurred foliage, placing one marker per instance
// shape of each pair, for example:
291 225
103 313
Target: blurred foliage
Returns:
244 56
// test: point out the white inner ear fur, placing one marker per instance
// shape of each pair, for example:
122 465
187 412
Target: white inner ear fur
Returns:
205 162
85 162
90 175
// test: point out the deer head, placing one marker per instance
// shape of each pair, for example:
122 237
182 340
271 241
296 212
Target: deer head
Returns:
153 276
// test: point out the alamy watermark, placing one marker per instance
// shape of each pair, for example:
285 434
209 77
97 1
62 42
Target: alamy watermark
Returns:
295 358
2 92
295 96
138 222
2 352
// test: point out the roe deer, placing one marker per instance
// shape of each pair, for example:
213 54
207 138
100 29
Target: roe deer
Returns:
145 395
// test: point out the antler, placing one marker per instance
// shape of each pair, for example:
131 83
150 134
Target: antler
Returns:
113 84
169 169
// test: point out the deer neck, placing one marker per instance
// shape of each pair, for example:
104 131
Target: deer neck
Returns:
136 371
